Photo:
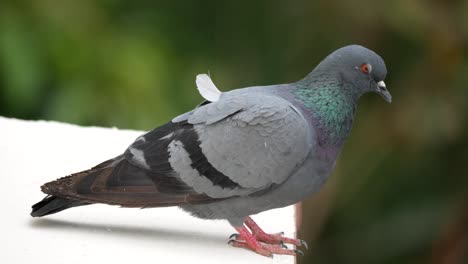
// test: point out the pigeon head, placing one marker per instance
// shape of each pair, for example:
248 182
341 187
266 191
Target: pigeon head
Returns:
359 66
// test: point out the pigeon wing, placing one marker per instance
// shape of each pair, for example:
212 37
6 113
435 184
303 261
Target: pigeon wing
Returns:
235 146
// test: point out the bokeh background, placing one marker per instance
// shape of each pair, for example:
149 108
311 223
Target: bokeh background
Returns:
400 190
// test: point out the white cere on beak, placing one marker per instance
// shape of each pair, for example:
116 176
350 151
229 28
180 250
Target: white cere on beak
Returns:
381 84
382 90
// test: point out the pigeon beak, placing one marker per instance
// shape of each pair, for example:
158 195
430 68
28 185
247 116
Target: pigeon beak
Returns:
382 90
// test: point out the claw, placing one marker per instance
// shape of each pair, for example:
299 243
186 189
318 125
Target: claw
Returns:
231 241
283 245
297 251
303 243
235 236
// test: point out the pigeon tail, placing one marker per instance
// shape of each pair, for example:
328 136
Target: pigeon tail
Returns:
53 204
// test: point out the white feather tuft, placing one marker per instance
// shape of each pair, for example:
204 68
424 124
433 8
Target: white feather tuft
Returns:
207 88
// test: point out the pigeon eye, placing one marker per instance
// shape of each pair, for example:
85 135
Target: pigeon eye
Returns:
366 68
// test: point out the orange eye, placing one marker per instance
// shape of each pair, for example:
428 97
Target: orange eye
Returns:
366 68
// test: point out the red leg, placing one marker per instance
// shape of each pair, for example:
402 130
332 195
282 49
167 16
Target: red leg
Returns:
259 234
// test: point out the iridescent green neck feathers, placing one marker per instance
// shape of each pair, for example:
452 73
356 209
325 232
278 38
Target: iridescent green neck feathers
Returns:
332 107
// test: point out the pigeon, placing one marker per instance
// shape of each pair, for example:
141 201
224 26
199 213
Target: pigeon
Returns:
238 153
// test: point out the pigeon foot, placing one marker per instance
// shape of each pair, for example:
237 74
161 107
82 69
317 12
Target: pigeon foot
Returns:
257 240
277 238
246 240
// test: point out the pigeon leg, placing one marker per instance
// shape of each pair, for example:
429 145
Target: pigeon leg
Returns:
246 240
260 235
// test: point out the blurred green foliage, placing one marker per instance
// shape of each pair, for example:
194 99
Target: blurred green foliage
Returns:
400 191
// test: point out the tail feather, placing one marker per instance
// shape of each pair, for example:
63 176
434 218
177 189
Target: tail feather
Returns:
53 204
57 190
117 182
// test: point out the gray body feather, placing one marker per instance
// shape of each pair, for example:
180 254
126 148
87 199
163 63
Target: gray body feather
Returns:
265 142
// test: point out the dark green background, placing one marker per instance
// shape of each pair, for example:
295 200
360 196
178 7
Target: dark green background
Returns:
400 190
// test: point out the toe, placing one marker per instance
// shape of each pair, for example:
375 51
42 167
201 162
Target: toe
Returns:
299 252
304 243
